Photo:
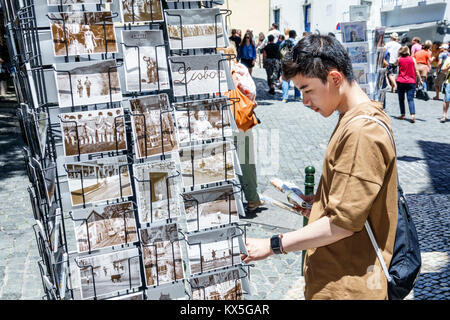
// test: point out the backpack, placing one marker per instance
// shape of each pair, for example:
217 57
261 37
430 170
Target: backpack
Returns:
287 47
406 260
422 94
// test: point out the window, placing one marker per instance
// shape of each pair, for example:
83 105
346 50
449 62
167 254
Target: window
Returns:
276 16
307 16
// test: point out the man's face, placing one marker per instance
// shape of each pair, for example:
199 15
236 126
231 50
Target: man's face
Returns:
320 97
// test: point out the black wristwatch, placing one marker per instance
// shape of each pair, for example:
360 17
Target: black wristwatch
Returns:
276 245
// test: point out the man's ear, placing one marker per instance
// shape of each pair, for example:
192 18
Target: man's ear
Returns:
336 77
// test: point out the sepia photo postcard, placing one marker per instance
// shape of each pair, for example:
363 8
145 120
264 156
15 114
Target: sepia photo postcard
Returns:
203 120
200 74
208 163
358 52
158 188
210 207
354 31
145 60
219 286
98 180
104 226
139 11
86 83
93 131
195 29
109 273
161 253
82 33
360 72
132 296
153 126
175 291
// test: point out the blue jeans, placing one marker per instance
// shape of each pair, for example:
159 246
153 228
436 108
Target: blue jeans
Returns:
285 88
447 92
410 90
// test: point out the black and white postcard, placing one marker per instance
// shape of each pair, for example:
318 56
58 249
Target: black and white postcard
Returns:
153 126
75 2
220 286
82 33
161 252
208 163
85 83
139 11
145 60
109 273
98 180
354 31
158 188
93 131
108 226
203 120
200 74
195 28
176 291
210 207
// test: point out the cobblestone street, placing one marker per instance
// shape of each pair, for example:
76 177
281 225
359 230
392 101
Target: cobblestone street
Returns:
424 171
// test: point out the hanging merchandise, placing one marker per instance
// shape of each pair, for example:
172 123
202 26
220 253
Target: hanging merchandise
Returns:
128 148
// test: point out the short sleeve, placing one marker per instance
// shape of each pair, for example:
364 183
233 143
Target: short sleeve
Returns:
358 173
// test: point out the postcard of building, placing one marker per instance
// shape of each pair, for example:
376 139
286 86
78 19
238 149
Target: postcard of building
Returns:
82 33
107 273
354 31
85 83
161 252
195 28
158 188
153 126
93 131
199 74
98 180
358 52
203 120
219 286
208 163
175 291
145 60
141 11
108 226
210 207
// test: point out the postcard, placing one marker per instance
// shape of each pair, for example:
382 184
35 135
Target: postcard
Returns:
360 73
203 120
358 52
98 180
74 2
145 60
354 31
161 252
153 126
93 131
132 296
220 286
134 11
157 190
379 37
85 83
107 226
82 33
174 291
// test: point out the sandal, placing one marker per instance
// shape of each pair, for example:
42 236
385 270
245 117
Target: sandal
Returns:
443 120
252 206
402 117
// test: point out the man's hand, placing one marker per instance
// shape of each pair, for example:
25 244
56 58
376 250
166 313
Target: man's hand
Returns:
309 199
258 249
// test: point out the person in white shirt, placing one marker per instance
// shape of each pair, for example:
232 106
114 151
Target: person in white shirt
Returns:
392 47
273 31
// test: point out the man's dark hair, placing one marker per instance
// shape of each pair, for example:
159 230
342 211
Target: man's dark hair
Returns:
270 37
292 34
275 25
233 31
331 34
314 56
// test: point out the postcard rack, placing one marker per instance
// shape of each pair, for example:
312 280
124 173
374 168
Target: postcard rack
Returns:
84 242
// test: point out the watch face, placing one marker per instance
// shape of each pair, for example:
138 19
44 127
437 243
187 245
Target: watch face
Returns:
275 244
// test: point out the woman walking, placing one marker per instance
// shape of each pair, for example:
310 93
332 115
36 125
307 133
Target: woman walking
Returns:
406 82
423 60
247 52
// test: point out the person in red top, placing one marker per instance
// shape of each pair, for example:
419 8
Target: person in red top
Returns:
406 81
423 60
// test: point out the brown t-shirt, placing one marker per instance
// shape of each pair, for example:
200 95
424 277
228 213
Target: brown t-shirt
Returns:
359 181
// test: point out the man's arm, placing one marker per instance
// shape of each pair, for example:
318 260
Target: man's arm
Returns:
317 234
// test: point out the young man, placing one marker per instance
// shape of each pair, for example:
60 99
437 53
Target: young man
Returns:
358 183
392 47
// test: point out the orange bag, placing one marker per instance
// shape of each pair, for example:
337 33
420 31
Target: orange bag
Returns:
242 110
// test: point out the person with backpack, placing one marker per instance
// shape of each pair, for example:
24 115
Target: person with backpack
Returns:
285 47
440 75
272 63
358 190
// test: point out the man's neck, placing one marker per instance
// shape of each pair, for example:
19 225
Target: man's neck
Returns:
352 96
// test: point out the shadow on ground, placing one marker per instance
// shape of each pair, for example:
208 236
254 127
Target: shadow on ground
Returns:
437 156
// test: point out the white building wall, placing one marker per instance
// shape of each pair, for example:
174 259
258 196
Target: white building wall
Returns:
291 15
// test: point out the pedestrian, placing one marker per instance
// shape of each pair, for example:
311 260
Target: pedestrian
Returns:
416 46
235 38
260 44
272 63
406 82
358 183
423 59
280 40
440 74
247 52
286 47
446 68
392 48
273 31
